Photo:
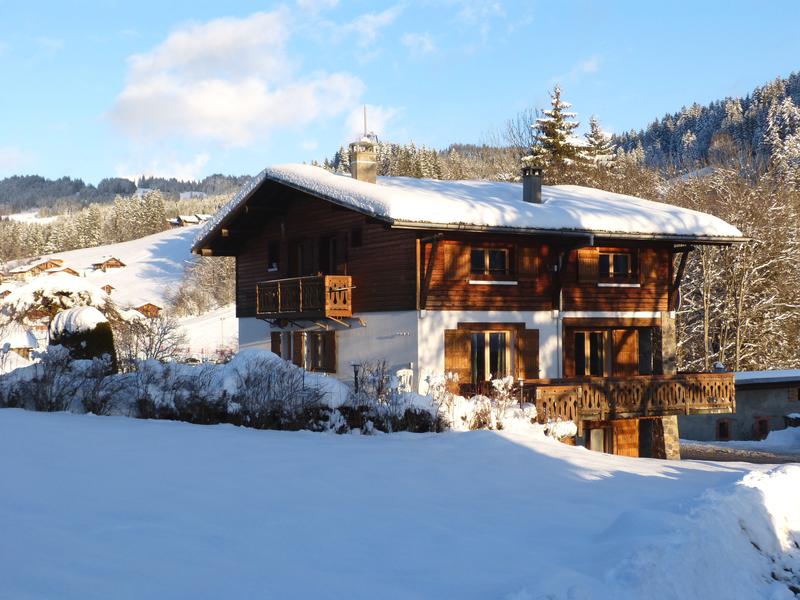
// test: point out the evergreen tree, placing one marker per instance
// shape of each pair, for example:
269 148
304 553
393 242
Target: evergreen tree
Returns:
599 148
553 140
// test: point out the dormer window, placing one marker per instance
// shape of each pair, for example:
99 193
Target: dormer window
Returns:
489 261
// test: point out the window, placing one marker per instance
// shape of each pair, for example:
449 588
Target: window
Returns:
273 256
723 430
616 265
489 261
591 353
761 428
320 351
490 355
646 354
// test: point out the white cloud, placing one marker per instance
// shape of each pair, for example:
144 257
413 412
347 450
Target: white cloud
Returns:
316 6
229 80
379 120
587 66
419 44
169 166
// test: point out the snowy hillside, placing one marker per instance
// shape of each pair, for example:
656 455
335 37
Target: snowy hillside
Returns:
153 268
173 510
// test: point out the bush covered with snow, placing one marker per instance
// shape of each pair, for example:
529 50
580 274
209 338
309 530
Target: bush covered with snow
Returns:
258 389
86 333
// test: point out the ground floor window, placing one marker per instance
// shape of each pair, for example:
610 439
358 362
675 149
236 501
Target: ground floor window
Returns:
723 430
761 428
312 350
604 352
490 355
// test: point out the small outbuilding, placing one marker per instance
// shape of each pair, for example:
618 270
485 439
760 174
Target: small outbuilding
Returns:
110 262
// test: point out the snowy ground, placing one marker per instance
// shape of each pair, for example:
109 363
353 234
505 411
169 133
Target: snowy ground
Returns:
111 507
782 445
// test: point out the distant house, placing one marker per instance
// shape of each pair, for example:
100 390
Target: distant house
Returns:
4 293
149 310
190 195
188 220
203 217
143 191
18 339
765 401
28 272
66 270
174 222
108 288
110 262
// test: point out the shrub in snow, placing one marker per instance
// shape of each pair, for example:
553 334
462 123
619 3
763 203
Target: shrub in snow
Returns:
86 333
158 338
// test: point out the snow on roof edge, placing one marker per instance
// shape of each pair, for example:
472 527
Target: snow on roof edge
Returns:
301 178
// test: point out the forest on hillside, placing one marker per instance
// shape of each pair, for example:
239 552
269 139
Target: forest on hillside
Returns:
20 193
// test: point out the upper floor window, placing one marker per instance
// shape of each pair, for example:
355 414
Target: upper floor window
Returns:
273 257
616 265
489 261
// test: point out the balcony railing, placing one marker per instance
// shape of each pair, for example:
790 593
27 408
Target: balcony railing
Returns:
305 297
597 398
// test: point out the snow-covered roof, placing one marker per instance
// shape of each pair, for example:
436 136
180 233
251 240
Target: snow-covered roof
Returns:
775 376
14 335
489 205
76 320
66 288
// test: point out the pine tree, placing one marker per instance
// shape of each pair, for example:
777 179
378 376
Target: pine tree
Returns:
553 140
599 148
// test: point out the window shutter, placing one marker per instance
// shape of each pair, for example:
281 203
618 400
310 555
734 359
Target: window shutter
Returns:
587 265
528 354
329 351
275 341
298 350
625 352
527 263
456 262
648 265
457 352
569 353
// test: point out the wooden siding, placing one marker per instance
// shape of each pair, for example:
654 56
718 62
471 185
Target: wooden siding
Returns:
382 267
533 281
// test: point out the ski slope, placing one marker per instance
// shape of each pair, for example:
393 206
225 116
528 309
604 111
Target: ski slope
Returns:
113 507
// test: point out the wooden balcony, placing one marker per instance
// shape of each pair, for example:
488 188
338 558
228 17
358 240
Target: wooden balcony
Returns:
597 398
314 297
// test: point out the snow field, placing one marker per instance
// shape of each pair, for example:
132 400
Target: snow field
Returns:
100 507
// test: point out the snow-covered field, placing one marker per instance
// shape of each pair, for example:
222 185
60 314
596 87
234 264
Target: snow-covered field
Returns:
111 507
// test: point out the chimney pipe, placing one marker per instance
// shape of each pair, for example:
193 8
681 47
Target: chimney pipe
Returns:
532 184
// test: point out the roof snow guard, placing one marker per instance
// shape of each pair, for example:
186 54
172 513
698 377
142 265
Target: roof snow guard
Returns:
409 203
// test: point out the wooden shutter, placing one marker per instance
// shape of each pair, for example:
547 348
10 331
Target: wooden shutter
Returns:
528 354
456 262
625 344
587 265
298 350
626 437
329 351
569 353
275 341
457 351
648 265
527 263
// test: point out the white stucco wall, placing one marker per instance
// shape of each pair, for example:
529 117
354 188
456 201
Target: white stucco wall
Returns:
254 333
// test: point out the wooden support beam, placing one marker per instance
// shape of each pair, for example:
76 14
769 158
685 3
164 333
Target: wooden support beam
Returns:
675 285
428 274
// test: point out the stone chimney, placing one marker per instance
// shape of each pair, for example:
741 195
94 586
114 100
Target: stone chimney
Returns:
362 160
532 184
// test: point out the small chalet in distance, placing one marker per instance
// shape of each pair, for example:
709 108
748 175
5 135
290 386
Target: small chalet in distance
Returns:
570 290
148 309
107 263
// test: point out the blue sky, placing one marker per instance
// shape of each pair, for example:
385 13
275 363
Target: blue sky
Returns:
104 88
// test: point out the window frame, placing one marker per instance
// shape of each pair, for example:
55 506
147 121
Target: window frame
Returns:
631 276
487 360
486 272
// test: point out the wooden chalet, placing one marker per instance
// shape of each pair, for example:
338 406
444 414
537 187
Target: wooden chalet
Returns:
108 263
570 290
149 310
28 272
108 288
66 270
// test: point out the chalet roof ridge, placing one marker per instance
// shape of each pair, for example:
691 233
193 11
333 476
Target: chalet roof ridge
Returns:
483 205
